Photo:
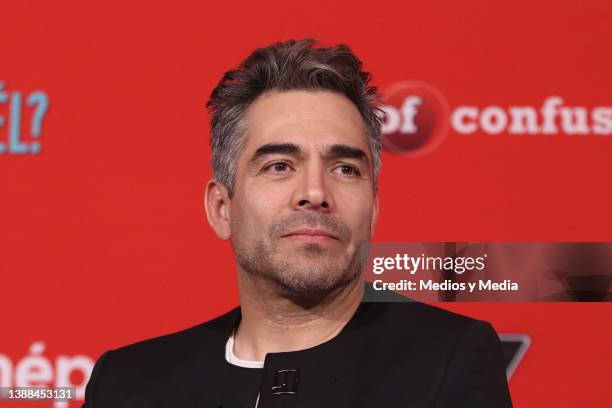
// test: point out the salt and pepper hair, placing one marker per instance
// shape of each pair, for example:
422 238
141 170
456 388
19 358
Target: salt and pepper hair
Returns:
284 66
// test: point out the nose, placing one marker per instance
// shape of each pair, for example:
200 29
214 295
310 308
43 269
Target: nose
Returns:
312 193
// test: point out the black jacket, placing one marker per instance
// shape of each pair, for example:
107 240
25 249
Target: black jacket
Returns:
388 355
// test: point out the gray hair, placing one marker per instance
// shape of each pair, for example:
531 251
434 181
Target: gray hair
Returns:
285 66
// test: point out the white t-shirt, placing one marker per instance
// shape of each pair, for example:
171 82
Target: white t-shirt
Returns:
231 358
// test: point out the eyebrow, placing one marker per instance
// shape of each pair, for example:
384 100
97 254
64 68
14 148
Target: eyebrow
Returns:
277 148
337 151
344 151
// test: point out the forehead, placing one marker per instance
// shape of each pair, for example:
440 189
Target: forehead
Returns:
303 117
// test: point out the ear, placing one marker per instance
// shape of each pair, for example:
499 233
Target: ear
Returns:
216 204
374 219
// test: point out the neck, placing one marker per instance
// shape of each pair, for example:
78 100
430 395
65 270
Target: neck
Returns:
273 322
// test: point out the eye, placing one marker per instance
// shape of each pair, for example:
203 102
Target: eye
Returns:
277 167
347 170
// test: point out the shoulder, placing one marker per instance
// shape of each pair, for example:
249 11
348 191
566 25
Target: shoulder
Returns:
417 315
161 360
458 360
174 347
430 329
401 314
459 354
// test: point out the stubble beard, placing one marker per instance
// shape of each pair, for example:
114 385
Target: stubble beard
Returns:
307 270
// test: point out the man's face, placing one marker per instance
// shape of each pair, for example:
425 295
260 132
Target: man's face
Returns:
303 199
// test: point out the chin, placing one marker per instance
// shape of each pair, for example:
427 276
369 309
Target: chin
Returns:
313 279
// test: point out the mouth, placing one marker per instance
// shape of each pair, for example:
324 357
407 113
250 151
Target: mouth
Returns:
311 235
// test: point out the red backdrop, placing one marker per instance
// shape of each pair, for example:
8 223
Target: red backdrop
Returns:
103 240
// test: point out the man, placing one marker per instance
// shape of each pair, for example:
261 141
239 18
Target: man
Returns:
295 142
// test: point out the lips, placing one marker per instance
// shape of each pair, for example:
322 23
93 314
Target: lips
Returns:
311 235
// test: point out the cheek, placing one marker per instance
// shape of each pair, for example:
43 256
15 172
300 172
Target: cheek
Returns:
250 218
358 214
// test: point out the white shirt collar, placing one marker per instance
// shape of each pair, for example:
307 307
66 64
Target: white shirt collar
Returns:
231 358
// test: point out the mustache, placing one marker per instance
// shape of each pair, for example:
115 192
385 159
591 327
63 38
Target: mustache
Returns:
312 220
